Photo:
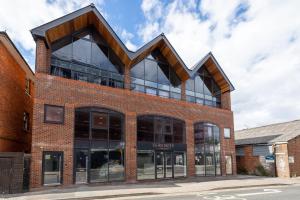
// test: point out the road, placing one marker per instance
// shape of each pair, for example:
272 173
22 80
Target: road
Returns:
275 193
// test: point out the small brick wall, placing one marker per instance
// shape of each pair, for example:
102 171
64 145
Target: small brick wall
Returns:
294 151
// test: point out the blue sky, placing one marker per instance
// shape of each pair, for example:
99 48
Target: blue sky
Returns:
256 42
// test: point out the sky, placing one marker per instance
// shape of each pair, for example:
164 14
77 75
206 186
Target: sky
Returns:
256 42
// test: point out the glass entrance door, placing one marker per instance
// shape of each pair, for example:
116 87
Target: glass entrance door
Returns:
81 166
164 165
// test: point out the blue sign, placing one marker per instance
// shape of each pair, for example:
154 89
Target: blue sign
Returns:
270 157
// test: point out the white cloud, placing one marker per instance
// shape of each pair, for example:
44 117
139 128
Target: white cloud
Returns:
259 53
19 17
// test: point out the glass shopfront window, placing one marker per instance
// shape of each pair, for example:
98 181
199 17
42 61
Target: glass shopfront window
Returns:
202 89
154 76
207 149
52 168
161 147
99 145
85 56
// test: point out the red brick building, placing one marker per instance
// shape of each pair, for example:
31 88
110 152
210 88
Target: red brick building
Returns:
16 80
103 113
273 147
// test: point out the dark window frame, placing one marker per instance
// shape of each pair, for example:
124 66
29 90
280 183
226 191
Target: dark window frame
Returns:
62 167
26 121
54 122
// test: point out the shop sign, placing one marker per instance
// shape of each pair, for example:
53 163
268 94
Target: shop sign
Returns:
159 146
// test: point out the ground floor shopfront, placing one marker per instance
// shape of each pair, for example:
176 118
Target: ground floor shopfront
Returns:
109 135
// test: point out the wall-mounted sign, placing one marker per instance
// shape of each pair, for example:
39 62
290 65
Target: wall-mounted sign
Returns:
270 159
291 159
158 146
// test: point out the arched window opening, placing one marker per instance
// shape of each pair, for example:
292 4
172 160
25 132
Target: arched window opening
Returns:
161 147
98 145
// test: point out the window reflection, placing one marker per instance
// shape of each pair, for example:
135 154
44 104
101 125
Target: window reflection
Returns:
155 77
202 89
207 149
100 131
86 57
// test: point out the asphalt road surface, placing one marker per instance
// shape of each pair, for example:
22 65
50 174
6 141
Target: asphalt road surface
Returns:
276 193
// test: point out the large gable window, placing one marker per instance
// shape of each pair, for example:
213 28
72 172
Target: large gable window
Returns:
202 89
85 56
154 76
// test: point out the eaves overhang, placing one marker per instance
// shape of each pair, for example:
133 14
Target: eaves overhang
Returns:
89 15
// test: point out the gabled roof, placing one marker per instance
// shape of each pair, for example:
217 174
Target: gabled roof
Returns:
269 134
90 16
13 50
215 70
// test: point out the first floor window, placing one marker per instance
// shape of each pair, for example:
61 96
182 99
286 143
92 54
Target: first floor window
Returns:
54 114
52 168
26 121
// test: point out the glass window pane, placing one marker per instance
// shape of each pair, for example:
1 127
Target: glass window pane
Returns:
151 70
115 127
52 162
82 124
145 129
116 164
198 85
100 134
138 71
63 53
190 85
163 93
99 121
178 131
200 163
179 161
81 166
82 50
151 91
54 114
99 165
145 165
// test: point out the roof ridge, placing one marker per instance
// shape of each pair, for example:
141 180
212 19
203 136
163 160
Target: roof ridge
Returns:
274 124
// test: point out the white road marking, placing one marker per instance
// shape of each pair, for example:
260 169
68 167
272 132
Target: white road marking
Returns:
266 191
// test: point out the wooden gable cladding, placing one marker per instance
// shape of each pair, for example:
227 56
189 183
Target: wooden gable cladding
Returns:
217 75
81 22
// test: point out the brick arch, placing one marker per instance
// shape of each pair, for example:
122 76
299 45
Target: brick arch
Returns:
207 121
99 106
160 115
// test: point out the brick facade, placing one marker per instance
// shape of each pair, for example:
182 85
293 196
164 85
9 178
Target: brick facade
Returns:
73 94
294 151
14 102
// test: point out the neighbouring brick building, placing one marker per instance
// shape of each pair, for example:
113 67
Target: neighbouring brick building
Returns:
16 80
275 147
103 113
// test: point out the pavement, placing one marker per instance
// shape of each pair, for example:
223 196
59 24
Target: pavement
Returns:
157 189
